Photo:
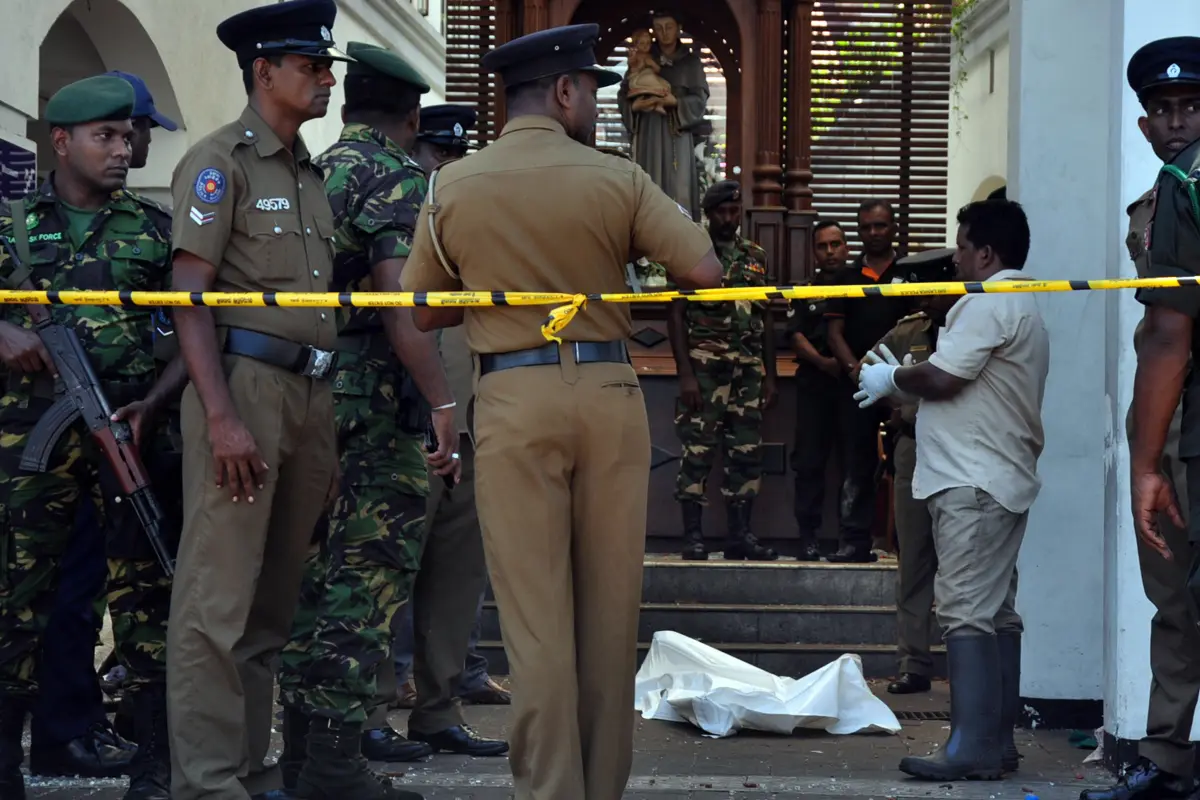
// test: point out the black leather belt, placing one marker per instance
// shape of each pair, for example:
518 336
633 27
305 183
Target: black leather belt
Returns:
301 359
585 353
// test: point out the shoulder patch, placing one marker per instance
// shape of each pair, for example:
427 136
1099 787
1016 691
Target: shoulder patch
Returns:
683 210
210 185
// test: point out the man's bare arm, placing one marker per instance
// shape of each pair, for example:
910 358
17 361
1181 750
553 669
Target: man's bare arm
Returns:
837 344
197 332
1158 384
707 273
415 347
928 382
677 334
428 318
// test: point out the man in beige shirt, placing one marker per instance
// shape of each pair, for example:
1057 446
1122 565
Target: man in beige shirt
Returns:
979 435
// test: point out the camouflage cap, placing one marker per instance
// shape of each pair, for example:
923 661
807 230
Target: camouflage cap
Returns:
95 99
374 61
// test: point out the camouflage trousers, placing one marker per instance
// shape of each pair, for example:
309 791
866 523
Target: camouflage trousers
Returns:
360 572
730 420
38 519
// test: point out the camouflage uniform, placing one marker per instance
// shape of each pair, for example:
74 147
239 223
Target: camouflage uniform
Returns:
361 572
127 247
725 344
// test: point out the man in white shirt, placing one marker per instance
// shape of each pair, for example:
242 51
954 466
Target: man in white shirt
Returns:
979 435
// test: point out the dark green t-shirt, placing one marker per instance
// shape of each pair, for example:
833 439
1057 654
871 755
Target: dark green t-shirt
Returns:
79 222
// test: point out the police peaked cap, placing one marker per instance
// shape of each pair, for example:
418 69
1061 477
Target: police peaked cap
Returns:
447 125
376 61
1165 62
721 192
547 54
97 99
929 266
296 27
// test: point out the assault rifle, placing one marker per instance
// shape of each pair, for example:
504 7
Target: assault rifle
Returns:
81 397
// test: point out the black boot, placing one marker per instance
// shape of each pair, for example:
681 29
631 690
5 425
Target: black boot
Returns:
336 769
1143 781
150 772
972 752
743 545
1010 697
12 753
808 547
295 745
693 532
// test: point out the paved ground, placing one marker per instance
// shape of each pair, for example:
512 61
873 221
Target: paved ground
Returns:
675 762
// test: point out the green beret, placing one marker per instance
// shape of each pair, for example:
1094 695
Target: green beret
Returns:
376 61
103 97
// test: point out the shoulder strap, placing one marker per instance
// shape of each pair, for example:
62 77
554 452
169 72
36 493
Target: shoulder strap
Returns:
1189 183
21 272
433 235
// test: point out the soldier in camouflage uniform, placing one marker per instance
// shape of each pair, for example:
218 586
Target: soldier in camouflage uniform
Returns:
363 569
86 231
725 355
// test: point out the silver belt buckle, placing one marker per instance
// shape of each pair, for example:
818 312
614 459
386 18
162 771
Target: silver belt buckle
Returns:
575 350
320 363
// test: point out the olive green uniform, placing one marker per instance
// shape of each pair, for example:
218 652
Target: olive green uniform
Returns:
914 335
1174 638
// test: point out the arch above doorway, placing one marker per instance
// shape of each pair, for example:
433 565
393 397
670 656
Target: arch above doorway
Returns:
89 37
987 186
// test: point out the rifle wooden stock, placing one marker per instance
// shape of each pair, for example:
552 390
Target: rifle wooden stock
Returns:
83 398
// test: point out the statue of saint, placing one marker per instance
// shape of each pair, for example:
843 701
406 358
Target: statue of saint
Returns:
662 101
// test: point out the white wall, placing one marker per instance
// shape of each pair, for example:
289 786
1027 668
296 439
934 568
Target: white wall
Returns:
1059 150
172 45
979 128
1128 630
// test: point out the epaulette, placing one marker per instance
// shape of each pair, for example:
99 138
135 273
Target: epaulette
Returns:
153 205
919 315
1145 198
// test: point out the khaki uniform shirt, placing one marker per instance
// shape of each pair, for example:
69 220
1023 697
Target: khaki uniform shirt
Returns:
259 214
538 211
914 335
989 436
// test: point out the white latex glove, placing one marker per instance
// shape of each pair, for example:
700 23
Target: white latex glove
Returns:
876 379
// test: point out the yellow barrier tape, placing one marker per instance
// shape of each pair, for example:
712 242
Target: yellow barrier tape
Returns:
568 303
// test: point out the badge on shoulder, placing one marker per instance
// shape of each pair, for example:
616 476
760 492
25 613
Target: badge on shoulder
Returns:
210 185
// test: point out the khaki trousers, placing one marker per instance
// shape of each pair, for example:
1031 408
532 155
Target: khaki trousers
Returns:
445 598
237 579
1174 638
563 464
918 565
977 542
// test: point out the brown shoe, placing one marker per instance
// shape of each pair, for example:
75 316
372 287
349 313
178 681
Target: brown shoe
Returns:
406 696
490 694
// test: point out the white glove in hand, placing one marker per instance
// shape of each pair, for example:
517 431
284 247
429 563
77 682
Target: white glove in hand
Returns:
876 379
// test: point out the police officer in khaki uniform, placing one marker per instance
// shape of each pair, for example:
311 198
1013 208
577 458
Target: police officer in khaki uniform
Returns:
1166 77
260 460
915 335
562 441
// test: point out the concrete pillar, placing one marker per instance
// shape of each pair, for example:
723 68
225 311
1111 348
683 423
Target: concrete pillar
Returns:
1076 159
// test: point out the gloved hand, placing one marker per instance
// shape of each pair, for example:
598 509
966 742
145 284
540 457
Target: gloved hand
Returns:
876 380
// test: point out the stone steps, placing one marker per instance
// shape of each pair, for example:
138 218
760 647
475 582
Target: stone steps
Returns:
788 618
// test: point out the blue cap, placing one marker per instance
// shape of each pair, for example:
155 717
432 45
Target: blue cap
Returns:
447 125
298 27
1165 62
143 103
